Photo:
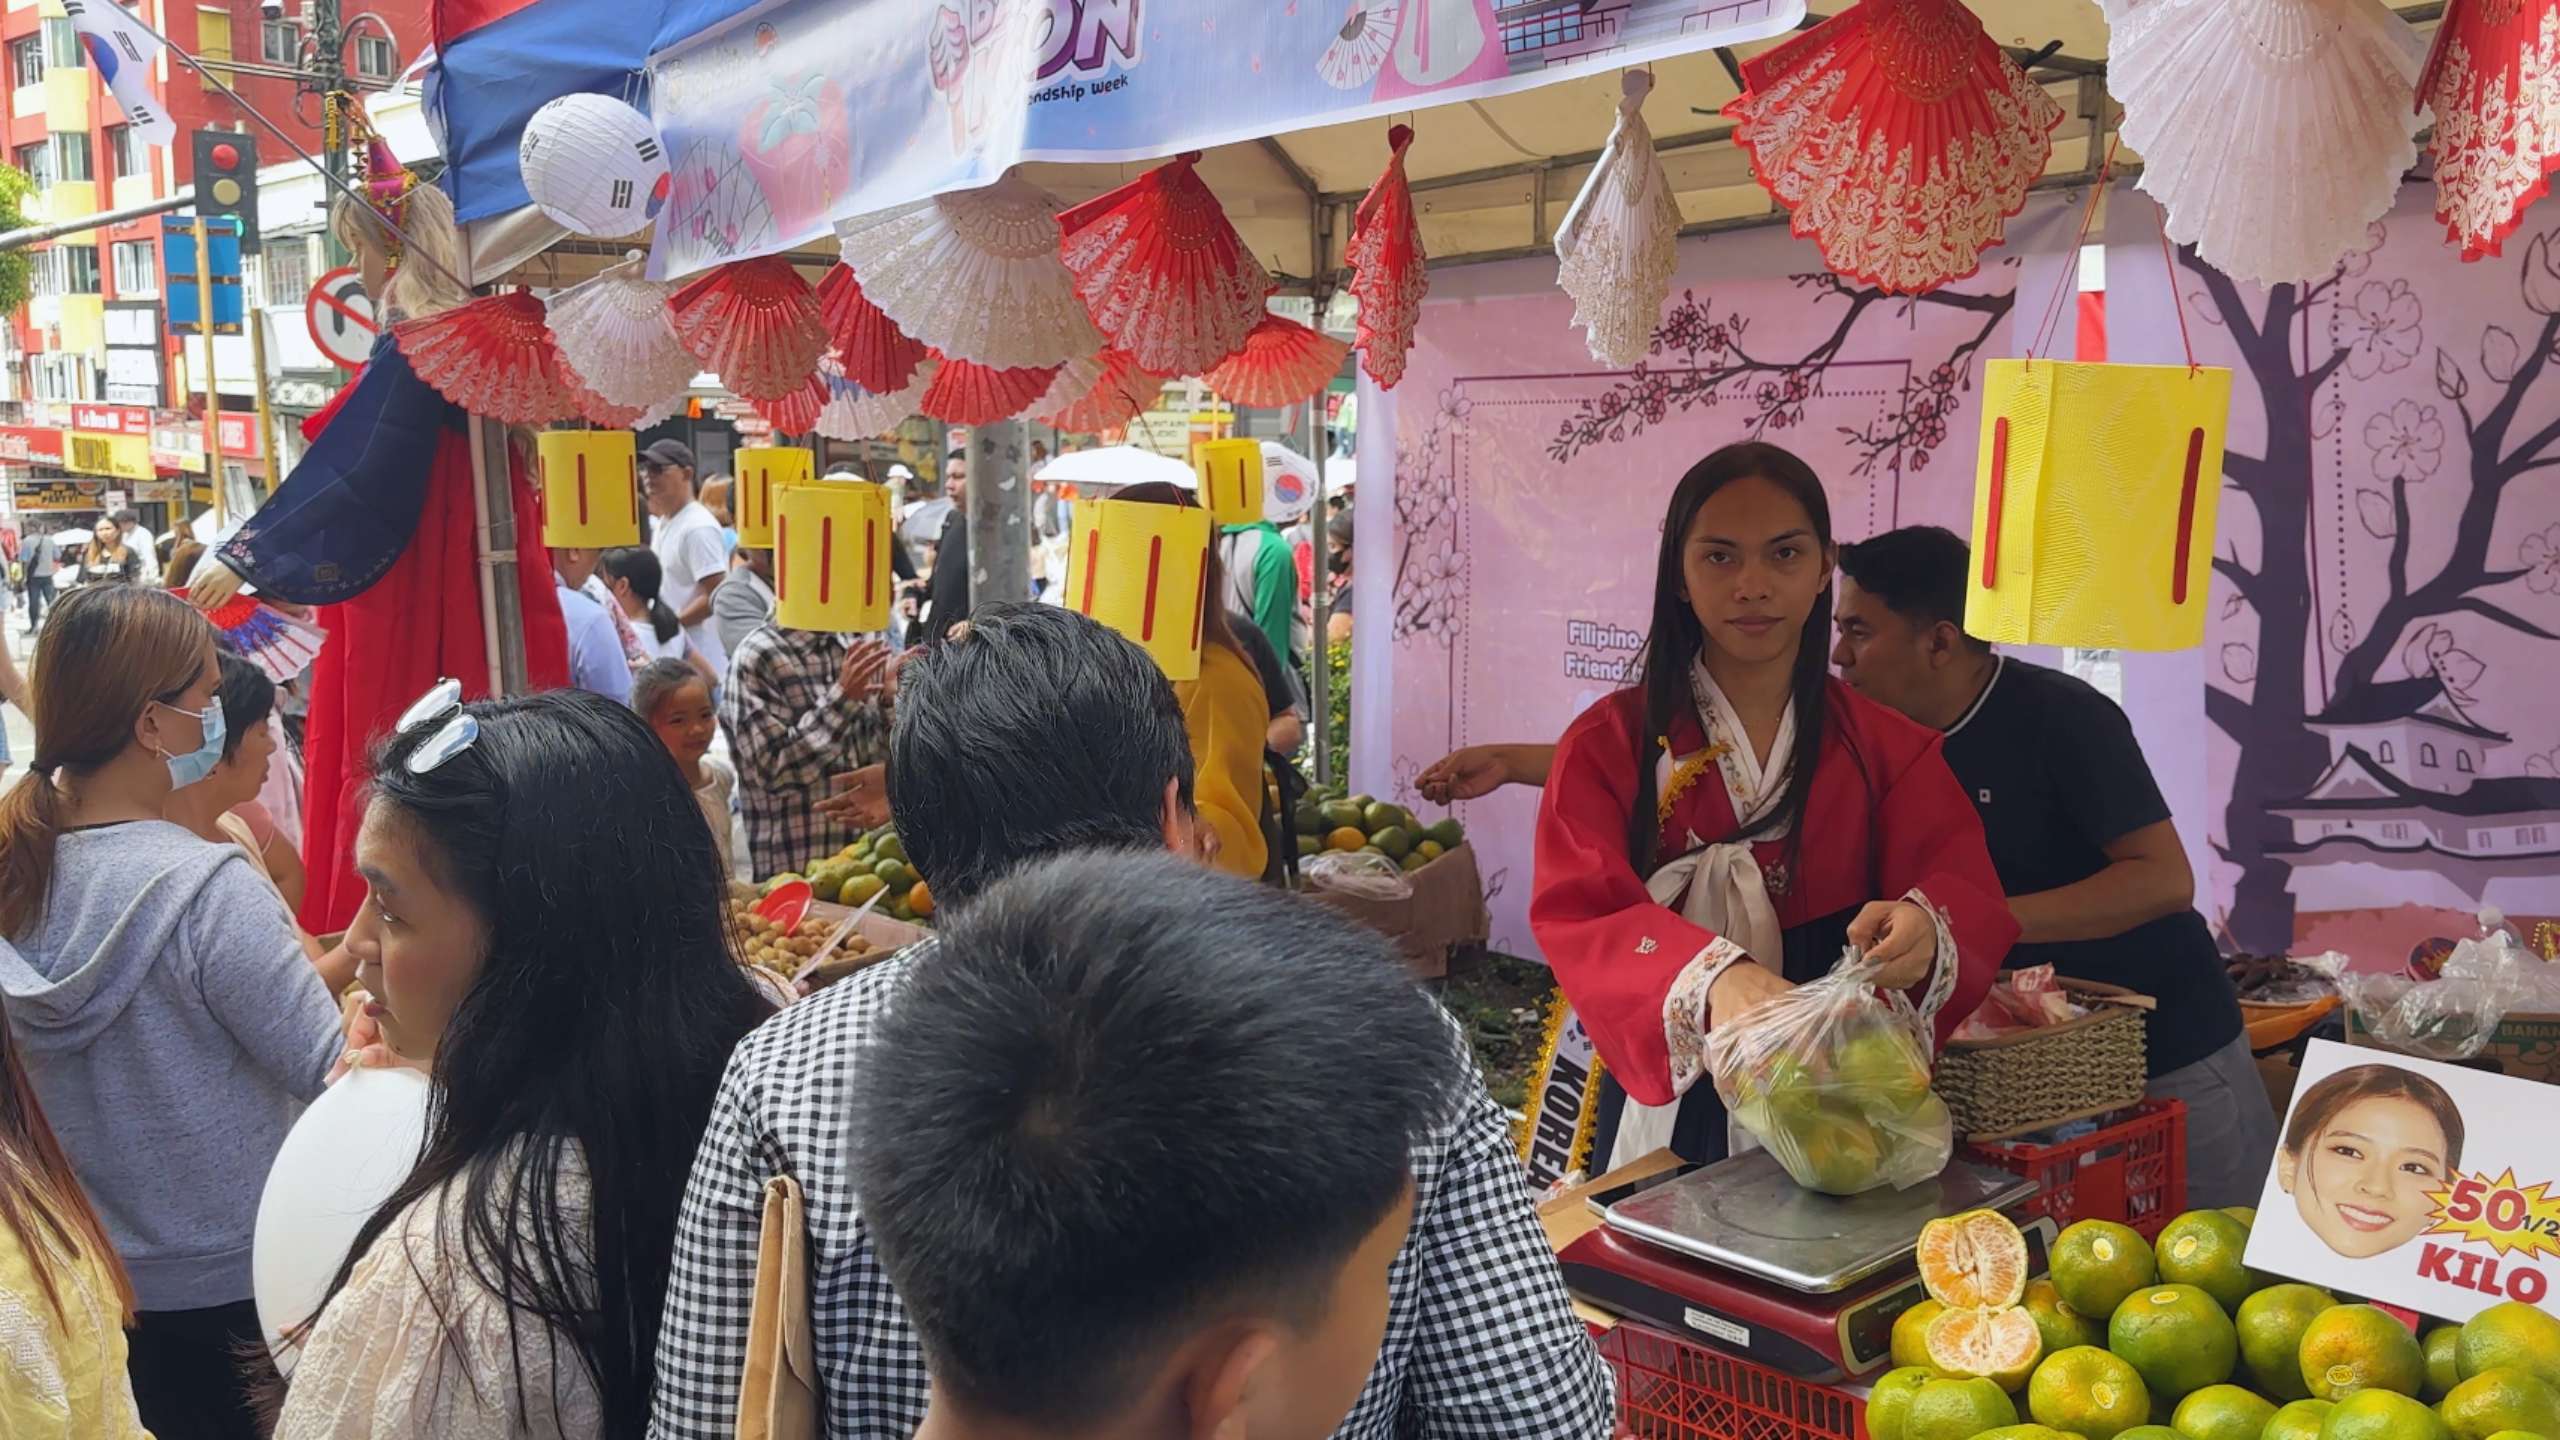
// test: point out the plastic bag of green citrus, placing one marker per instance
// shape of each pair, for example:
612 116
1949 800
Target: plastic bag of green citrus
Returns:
1833 1078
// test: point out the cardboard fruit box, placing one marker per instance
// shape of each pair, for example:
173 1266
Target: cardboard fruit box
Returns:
1445 910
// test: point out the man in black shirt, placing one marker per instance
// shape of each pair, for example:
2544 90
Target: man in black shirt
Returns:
2095 872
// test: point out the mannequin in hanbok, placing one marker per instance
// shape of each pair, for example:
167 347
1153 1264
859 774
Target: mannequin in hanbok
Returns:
375 527
1717 832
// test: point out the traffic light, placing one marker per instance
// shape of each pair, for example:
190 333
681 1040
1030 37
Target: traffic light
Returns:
227 180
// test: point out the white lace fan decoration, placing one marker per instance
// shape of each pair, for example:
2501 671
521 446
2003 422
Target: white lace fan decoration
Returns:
2271 133
615 333
975 275
1614 249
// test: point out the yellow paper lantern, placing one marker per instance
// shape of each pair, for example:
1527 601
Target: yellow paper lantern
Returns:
1230 475
763 472
590 488
1141 569
831 557
2094 504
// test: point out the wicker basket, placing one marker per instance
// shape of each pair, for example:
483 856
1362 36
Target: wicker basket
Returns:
2011 1084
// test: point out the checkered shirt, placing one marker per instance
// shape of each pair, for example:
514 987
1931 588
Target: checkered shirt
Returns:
1481 1339
791 729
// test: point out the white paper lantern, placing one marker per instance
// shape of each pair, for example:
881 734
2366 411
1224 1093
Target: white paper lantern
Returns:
594 165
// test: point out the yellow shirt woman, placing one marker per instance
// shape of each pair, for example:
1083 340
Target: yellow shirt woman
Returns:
62 1367
1225 713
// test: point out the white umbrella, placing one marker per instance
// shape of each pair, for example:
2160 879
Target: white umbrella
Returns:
1341 472
1116 465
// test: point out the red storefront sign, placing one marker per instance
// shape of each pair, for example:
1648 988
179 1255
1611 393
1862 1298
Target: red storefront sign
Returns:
112 419
27 445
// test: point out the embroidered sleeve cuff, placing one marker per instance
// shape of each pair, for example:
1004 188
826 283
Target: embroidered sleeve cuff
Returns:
1684 1011
1942 973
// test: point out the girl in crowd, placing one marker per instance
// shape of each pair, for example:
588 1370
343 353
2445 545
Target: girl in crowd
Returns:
213 810
60 1281
633 574
677 704
1712 835
1227 715
574 999
159 1000
2366 1149
107 556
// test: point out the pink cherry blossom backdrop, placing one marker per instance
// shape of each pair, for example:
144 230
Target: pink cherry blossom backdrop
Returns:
2390 543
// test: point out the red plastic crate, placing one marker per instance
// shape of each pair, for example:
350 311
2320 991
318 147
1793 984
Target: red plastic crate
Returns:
1674 1389
2133 1171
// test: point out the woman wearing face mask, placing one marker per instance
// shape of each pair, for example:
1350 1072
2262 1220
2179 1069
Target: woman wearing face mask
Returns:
1713 834
107 557
212 810
163 1007
574 999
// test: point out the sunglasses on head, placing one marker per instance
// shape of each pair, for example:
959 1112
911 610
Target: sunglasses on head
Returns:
443 701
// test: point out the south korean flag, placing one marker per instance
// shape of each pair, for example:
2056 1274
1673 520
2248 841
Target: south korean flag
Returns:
121 50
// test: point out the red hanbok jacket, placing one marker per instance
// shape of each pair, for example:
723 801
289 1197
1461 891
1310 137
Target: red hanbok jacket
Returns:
1885 818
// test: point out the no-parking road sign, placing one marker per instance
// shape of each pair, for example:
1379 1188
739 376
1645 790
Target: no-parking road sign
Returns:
341 318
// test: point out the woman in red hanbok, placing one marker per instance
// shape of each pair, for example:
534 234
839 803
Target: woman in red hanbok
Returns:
1689 867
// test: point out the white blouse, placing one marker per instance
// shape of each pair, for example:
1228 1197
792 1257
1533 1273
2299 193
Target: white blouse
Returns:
417 1346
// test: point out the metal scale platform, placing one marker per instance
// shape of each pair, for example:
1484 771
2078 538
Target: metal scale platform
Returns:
1736 1254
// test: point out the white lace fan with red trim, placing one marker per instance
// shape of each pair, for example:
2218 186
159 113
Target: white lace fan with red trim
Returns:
1388 273
493 357
755 323
874 352
1163 270
1900 137
1282 363
617 336
1614 249
1104 391
975 274
2271 133
2493 83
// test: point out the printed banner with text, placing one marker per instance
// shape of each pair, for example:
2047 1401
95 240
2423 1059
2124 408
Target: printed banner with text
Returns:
798 113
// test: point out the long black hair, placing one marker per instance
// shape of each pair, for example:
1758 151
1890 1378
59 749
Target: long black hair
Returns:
637 566
1671 646
604 1011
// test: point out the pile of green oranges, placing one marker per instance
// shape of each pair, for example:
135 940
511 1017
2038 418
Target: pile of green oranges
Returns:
2181 1341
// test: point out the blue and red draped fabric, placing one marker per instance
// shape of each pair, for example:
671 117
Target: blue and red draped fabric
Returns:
348 509
498 61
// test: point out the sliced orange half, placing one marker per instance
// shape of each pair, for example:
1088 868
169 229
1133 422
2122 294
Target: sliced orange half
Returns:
1999 1344
1973 1261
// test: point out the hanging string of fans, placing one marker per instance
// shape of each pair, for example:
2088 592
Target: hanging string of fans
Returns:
1898 134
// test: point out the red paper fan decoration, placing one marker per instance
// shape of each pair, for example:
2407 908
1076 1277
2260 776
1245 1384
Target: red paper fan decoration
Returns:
875 353
1282 363
2493 83
797 412
1900 136
493 357
754 323
1163 270
1104 392
964 392
1387 266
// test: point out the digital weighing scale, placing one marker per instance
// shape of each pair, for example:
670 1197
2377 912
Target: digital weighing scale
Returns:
1737 1254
